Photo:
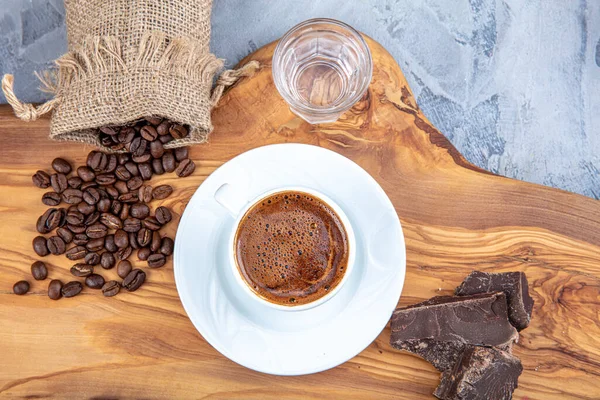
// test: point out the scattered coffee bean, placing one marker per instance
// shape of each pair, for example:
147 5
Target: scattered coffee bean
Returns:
149 133
71 289
80 239
135 183
87 185
65 234
115 207
81 270
162 192
61 166
156 260
124 253
121 239
126 135
109 243
122 158
142 159
96 161
156 149
53 220
108 130
138 146
112 164
51 199
39 271
96 231
41 179
91 219
145 170
76 253
132 168
106 179
143 253
167 245
168 161
155 242
21 288
111 221
39 246
139 210
121 187
165 139
154 120
178 131
133 241
162 215
151 223
163 128
86 174
124 214
157 167
74 217
103 205
122 173
185 168
76 229
124 268
95 244
91 196
59 182
111 288
56 245
94 281
134 280
72 196
54 289
92 258
132 225
131 197
145 194
181 153
107 260
144 236
74 182
85 208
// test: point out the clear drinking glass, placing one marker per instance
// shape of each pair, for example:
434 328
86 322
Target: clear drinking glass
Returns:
322 67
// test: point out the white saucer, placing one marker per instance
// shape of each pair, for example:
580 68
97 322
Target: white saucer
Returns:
283 342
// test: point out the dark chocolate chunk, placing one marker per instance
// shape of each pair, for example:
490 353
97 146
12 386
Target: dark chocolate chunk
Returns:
480 373
513 284
439 328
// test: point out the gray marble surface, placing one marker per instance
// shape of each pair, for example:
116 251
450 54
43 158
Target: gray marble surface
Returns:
514 84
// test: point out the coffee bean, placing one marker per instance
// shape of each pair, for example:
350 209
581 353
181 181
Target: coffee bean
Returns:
111 221
92 219
71 289
151 223
144 253
121 187
76 253
94 281
109 243
181 153
81 270
167 245
156 260
163 215
74 182
163 128
132 225
108 130
135 183
124 253
86 174
155 242
85 208
41 179
65 234
74 217
124 214
112 192
178 131
138 146
87 185
39 271
139 210
111 288
168 161
54 288
122 173
145 194
95 244
105 140
56 245
145 171
121 239
59 182
185 168
156 149
76 229
115 207
122 158
92 258
154 120
134 280
157 167
91 196
96 231
149 133
80 239
55 218
103 205
61 166
162 192
165 139
133 240
94 159
39 246
131 197
132 168
21 287
112 164
124 268
107 260
106 179
144 236
72 196
42 222
51 199
126 135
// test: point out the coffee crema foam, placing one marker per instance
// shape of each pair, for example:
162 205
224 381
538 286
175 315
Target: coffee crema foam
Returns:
291 248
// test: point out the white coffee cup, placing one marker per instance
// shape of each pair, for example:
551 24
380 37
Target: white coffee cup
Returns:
237 205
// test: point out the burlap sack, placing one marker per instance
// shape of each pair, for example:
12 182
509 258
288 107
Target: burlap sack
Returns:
130 59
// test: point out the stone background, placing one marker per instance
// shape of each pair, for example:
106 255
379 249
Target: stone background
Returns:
514 84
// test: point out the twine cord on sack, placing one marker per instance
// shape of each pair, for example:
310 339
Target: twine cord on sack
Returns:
231 76
25 111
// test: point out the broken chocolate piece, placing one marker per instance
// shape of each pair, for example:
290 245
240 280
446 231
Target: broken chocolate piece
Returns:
439 328
513 284
481 373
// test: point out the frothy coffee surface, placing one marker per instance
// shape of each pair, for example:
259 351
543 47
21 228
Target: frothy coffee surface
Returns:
291 248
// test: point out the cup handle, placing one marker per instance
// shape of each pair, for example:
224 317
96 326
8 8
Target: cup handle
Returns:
231 199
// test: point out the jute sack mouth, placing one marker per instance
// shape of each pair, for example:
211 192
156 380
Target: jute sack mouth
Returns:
132 59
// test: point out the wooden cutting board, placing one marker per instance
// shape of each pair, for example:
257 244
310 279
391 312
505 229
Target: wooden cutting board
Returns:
456 218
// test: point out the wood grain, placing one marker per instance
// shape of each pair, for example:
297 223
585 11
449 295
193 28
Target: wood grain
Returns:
456 218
